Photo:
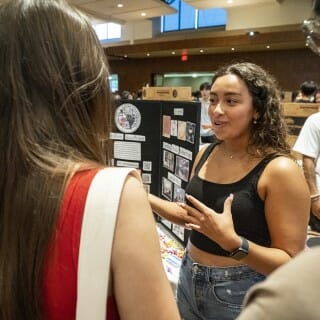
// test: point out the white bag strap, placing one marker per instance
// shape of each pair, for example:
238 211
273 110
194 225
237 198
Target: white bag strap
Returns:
97 231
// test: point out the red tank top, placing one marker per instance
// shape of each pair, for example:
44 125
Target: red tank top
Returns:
61 266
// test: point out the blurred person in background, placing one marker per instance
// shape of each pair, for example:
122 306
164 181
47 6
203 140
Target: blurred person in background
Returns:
206 132
307 92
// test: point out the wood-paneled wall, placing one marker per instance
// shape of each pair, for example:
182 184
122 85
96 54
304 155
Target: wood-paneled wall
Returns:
289 67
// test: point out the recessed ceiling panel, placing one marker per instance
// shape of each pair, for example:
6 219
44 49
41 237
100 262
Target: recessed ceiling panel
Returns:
130 10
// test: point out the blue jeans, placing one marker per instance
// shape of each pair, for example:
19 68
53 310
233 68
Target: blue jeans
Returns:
213 293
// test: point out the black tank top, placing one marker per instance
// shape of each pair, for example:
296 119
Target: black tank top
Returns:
247 207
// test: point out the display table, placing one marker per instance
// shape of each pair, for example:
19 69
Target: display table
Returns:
171 253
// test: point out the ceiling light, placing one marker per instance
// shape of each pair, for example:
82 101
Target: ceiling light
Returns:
120 5
201 50
173 52
232 49
268 47
148 54
230 1
143 14
252 33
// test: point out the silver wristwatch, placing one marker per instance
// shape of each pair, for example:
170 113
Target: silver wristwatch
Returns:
242 251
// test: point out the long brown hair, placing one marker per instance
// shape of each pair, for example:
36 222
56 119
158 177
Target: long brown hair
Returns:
54 114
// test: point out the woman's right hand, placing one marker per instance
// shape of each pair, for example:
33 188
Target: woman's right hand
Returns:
216 226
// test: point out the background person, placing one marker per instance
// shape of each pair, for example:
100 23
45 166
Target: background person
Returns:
126 95
245 224
206 133
55 115
307 92
308 144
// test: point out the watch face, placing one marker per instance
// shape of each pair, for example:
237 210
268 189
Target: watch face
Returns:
240 254
127 118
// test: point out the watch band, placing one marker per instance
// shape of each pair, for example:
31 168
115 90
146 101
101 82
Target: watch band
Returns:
242 251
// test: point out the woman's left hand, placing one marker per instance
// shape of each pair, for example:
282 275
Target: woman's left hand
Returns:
216 226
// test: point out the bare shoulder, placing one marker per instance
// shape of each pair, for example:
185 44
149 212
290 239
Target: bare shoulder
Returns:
282 171
282 166
133 181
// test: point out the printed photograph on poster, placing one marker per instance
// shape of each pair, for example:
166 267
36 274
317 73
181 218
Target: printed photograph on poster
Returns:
167 188
190 132
174 128
168 160
182 168
146 165
178 194
146 178
182 130
166 126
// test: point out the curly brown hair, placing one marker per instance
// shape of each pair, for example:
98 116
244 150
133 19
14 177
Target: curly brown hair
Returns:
269 131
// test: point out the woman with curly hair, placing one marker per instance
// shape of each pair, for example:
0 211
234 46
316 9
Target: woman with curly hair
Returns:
247 200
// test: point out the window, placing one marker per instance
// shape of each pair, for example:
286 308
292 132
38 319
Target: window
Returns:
170 22
114 31
188 17
114 82
212 17
108 31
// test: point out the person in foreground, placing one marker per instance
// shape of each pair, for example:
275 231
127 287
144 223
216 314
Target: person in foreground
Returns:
55 115
247 200
290 293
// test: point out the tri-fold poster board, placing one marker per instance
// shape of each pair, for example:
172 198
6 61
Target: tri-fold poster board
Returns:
161 139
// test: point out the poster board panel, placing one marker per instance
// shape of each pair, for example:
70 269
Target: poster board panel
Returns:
136 139
180 136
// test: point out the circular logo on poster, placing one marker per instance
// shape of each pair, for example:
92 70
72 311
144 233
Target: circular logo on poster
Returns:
127 118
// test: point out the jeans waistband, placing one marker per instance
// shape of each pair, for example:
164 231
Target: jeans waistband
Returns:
211 273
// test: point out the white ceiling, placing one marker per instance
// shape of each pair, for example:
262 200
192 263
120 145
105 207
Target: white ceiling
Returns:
108 10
